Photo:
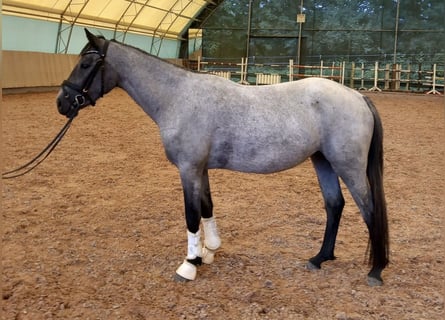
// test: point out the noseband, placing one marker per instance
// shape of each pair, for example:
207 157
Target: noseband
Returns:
82 91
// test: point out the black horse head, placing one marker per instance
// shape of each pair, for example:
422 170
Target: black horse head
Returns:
90 79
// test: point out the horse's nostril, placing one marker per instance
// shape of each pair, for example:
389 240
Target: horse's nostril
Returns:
59 104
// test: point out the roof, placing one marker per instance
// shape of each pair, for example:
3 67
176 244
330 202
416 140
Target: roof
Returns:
158 18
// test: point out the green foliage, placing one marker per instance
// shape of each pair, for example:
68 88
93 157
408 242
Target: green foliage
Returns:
351 30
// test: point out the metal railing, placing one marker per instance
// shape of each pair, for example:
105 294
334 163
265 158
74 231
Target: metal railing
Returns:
361 76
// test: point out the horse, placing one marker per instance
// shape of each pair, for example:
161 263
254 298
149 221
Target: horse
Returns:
208 122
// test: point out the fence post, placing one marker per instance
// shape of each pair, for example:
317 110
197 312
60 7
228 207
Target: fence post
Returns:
243 79
342 75
351 80
291 70
395 77
376 78
246 61
387 78
408 77
362 79
433 90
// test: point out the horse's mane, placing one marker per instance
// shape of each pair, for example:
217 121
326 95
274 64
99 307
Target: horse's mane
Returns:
88 47
151 55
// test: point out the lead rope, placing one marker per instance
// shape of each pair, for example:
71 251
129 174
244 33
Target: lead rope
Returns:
20 171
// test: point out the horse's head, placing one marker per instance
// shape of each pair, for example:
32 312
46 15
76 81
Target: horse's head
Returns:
90 79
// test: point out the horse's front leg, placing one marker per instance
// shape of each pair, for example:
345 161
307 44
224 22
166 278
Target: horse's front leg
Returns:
197 201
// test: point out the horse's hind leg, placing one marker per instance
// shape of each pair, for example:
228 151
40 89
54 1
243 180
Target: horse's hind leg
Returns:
361 192
212 240
334 203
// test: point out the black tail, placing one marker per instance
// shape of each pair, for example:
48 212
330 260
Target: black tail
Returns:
378 230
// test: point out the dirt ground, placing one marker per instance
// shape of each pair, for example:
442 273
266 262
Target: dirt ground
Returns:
97 231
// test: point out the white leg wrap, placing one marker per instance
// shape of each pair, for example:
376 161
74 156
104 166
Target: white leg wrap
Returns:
212 241
188 270
211 237
208 255
194 248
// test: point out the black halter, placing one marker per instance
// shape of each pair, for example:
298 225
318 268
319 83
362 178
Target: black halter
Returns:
81 91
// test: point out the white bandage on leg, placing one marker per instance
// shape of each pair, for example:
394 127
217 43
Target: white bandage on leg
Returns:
208 256
211 237
194 247
188 270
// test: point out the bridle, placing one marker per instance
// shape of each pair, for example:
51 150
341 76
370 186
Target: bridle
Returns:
79 102
82 91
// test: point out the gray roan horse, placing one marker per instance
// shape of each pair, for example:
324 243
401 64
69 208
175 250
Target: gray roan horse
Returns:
209 122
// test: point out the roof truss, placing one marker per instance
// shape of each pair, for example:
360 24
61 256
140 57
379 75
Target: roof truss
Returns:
160 19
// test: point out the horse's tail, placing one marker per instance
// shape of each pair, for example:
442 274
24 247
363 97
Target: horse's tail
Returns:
378 229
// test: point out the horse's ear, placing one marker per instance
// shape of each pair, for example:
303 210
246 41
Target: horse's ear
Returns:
94 41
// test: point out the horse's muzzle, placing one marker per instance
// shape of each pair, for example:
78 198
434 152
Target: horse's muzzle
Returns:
69 103
60 106
66 107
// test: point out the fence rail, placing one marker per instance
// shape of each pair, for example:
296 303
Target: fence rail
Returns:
361 76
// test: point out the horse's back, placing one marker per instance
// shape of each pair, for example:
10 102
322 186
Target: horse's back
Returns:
272 128
269 128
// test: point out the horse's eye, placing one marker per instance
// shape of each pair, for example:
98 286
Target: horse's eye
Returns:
84 65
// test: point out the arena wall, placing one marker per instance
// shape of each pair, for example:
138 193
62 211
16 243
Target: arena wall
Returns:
38 71
23 70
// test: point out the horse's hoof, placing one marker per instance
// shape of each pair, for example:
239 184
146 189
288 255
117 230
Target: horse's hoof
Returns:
186 272
374 282
311 266
180 279
375 277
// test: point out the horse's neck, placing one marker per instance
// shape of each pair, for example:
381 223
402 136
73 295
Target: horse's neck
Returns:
147 79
